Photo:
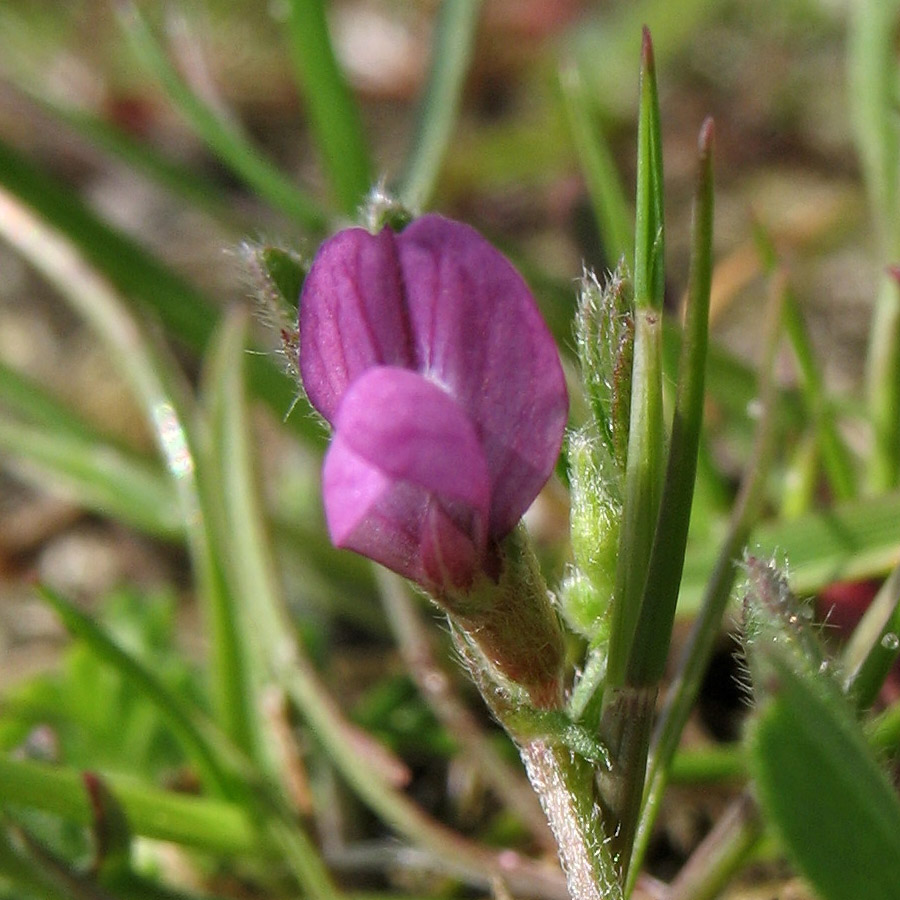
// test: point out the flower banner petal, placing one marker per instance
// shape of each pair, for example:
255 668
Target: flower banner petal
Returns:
478 332
352 315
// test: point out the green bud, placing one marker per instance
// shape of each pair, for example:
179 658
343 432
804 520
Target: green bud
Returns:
604 332
595 517
382 210
583 606
778 630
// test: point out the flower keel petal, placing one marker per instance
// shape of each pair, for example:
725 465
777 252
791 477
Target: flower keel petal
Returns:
405 480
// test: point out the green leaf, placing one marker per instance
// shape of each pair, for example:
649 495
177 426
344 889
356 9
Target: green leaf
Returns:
649 221
650 647
835 453
187 723
611 208
185 312
333 115
152 376
224 401
851 540
645 462
284 271
873 70
97 476
818 782
212 825
222 137
454 37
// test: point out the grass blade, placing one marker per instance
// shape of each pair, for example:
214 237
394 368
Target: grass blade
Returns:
186 723
150 378
98 477
454 37
644 467
228 144
26 399
835 454
873 86
611 208
187 314
650 648
334 117
851 540
213 825
694 659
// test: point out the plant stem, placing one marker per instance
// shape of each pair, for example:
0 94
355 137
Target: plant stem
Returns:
695 657
565 784
435 686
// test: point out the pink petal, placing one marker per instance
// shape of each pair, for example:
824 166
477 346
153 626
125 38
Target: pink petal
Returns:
478 332
405 481
440 300
352 315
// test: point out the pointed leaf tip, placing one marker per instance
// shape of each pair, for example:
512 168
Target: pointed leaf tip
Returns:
647 61
707 138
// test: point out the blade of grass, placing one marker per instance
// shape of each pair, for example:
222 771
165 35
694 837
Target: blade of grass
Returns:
872 76
206 824
694 659
333 115
454 37
873 68
611 208
650 647
875 644
99 477
221 382
180 182
291 667
229 770
852 540
186 313
31 402
151 379
883 386
626 715
835 453
19 871
187 724
229 145
644 466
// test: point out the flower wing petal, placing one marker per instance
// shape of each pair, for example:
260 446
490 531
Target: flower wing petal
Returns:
405 480
477 331
352 315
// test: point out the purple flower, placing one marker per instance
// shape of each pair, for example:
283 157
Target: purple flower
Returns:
426 353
